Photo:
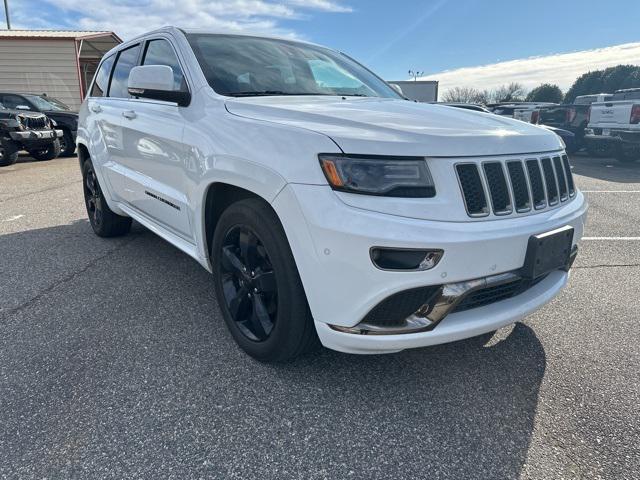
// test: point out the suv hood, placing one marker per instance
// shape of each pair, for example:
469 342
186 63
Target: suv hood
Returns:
399 127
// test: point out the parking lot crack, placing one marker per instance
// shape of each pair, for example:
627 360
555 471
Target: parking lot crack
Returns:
35 192
67 278
613 265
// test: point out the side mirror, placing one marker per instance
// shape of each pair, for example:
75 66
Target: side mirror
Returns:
23 107
156 82
397 88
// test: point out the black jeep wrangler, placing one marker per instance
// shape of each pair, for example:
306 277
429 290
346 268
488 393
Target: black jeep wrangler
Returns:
30 131
53 108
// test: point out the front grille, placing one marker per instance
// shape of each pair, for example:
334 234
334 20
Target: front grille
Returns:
34 123
496 293
515 186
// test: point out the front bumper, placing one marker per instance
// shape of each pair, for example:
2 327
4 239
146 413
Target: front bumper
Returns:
35 137
331 242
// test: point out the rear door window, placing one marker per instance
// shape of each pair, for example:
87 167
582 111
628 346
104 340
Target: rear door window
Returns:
12 101
160 52
127 59
101 83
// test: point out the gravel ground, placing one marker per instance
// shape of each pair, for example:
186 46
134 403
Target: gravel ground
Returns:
115 363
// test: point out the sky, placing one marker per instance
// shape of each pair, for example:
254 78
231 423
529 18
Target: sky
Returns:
479 43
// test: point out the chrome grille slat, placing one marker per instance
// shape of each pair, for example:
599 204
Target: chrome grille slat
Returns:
567 171
515 186
473 192
536 182
519 186
498 188
550 182
562 180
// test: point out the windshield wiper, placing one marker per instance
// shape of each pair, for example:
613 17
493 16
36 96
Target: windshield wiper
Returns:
270 92
352 95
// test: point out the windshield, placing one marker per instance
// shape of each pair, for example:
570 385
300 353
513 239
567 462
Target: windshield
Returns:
46 103
247 66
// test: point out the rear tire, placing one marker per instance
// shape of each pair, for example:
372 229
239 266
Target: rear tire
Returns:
67 145
8 154
258 286
627 154
104 221
48 153
600 149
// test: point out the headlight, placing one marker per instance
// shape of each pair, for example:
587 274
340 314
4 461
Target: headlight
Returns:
53 122
379 175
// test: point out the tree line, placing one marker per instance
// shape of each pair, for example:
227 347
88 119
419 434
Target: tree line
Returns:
599 81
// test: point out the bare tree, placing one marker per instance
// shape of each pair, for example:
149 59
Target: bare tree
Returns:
462 95
513 92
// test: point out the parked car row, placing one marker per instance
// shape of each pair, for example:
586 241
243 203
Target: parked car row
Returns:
605 124
38 124
510 110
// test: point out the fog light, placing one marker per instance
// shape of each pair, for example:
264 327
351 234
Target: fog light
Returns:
405 258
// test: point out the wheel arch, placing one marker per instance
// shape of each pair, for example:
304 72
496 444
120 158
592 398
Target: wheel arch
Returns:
218 197
83 154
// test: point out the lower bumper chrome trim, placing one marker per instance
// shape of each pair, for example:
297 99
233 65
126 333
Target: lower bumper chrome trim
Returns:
434 310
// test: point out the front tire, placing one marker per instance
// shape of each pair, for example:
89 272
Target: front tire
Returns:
8 154
258 286
104 221
67 145
48 153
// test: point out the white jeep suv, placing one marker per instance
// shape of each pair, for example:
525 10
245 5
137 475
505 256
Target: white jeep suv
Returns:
326 205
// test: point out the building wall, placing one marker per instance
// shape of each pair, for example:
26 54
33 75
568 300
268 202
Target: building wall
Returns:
40 66
422 91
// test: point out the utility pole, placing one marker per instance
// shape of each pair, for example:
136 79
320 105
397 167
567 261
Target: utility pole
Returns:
414 74
6 14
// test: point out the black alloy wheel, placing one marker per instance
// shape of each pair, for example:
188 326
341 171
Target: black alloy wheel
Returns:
249 283
93 198
257 284
104 221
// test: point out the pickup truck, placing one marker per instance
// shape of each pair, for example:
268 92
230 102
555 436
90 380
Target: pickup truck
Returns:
616 123
572 117
523 111
31 131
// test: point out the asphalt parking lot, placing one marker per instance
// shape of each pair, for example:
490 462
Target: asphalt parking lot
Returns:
115 363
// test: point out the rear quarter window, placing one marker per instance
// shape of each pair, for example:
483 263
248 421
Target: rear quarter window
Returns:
101 82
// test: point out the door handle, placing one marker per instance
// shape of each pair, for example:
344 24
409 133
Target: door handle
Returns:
130 114
96 108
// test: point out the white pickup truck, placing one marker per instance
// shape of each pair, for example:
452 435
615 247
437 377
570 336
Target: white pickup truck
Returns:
617 123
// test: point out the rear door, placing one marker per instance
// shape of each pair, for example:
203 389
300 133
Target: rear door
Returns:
154 153
111 110
105 142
